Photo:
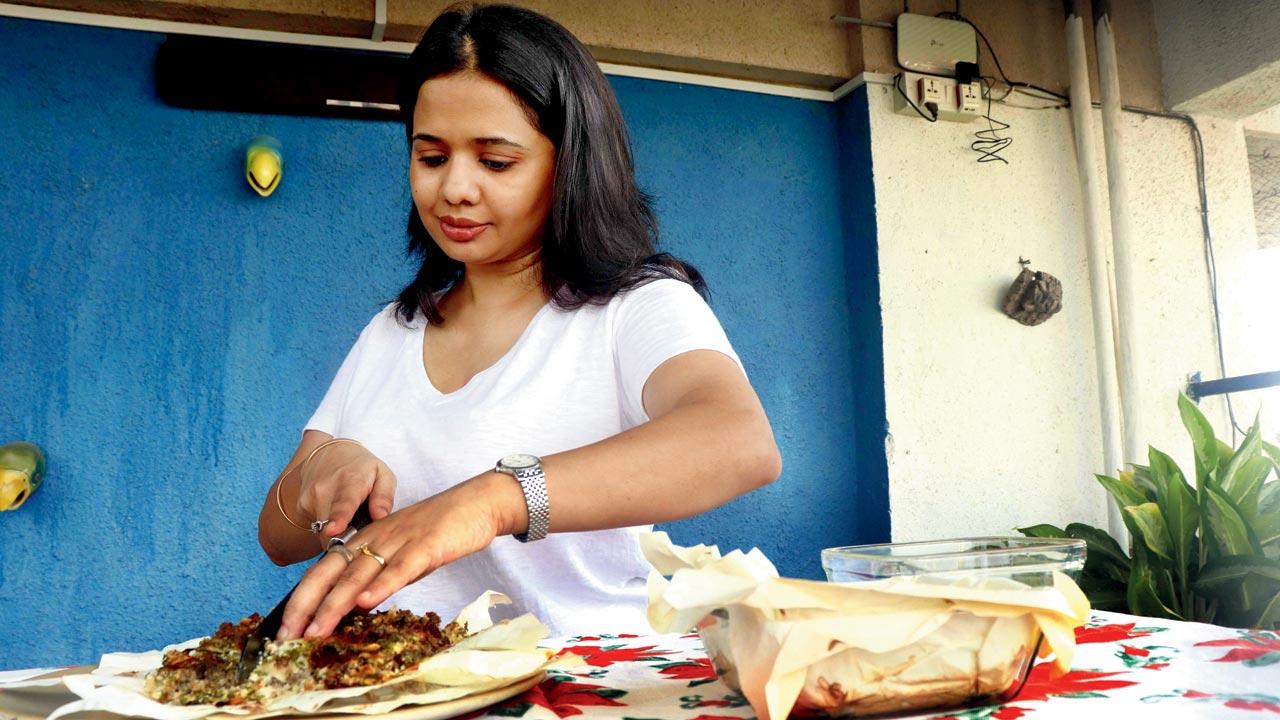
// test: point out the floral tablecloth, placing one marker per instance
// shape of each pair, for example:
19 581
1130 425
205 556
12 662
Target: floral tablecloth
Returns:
1125 667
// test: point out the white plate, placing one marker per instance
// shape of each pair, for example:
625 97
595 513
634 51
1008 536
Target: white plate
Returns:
35 703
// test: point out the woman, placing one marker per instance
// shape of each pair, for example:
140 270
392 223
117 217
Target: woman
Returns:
545 370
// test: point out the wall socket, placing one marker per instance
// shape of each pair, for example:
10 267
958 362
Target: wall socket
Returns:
955 102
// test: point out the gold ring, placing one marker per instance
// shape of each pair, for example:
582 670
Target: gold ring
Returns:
364 550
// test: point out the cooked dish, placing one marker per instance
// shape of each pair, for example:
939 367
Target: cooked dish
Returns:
365 649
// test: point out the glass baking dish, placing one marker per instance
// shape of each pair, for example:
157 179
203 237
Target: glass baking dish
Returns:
1030 561
966 661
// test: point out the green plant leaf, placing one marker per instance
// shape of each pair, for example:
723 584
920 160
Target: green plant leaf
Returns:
1140 475
1225 572
1125 493
1272 452
1202 439
1270 617
1142 596
1154 530
1269 499
1114 600
1177 504
1105 593
1225 453
1268 528
1105 558
1229 530
1246 484
1044 530
1099 541
1230 480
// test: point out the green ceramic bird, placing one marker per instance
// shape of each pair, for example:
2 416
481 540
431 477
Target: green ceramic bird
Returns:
21 472
264 164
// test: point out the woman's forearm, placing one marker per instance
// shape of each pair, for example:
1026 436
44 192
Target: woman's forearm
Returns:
694 458
284 543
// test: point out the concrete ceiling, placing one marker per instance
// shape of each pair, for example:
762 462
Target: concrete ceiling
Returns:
763 40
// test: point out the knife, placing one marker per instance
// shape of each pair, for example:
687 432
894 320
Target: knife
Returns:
270 625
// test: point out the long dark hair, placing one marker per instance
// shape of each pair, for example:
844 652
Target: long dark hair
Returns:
601 232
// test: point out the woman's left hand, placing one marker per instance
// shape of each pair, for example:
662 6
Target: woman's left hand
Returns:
413 541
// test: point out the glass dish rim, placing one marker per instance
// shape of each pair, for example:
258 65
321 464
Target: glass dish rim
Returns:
852 551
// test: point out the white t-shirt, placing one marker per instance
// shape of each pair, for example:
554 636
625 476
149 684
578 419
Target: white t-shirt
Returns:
572 378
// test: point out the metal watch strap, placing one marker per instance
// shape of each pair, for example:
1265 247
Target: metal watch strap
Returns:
533 484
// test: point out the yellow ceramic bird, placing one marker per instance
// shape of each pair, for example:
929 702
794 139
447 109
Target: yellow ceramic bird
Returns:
264 164
21 472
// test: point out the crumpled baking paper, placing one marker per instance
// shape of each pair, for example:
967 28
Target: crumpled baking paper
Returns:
857 648
492 656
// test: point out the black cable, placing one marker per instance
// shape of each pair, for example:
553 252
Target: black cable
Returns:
1046 91
989 143
897 84
1198 145
1210 261
996 59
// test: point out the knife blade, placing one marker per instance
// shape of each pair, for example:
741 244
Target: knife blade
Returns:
270 625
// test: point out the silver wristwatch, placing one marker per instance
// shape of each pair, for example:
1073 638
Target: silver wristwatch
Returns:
527 470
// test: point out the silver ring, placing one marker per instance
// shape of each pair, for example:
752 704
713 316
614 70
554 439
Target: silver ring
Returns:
317 526
342 550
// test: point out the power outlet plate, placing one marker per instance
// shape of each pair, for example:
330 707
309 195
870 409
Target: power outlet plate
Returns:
969 98
955 102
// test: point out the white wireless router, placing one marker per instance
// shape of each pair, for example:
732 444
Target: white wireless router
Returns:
933 45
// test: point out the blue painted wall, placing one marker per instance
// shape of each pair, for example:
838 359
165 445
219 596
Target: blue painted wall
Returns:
164 332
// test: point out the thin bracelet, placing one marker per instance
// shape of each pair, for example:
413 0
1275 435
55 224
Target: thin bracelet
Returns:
280 505
324 445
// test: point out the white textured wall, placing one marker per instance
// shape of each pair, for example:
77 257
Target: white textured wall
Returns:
1219 56
995 425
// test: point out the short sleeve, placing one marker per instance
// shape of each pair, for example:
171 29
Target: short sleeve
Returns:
328 416
656 322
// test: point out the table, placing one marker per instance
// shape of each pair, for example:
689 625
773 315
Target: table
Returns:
1125 667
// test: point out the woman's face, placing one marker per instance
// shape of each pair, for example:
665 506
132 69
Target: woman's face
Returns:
480 174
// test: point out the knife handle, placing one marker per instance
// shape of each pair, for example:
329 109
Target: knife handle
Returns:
358 522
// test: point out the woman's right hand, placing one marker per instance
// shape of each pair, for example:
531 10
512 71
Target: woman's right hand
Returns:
337 478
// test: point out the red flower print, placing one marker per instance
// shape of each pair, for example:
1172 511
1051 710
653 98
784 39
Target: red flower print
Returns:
1253 647
1000 712
606 655
598 638
1195 694
697 669
1077 682
1135 651
566 698
1239 704
1253 705
1107 633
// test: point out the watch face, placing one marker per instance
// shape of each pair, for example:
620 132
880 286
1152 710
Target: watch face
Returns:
519 461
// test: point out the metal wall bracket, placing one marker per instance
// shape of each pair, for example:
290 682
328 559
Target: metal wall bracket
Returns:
1197 388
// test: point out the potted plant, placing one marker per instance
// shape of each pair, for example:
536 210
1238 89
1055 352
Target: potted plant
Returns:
1205 553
